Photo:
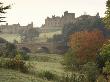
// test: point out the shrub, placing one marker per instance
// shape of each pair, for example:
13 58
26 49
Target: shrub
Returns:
2 62
72 78
8 50
103 56
17 65
23 54
47 75
91 71
71 61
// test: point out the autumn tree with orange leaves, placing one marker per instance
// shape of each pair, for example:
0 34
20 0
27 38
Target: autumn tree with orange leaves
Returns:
86 44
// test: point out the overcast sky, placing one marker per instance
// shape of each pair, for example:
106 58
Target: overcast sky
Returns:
26 11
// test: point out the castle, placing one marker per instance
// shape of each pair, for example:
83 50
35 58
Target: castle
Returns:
15 28
53 24
57 23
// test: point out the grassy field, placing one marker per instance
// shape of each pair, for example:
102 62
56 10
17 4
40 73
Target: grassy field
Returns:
48 62
49 34
7 75
40 63
11 37
42 37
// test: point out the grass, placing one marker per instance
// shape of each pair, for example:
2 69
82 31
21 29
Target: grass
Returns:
47 62
52 64
56 68
7 75
42 37
40 63
49 34
42 57
11 37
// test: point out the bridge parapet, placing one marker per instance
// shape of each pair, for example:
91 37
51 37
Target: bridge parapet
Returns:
35 46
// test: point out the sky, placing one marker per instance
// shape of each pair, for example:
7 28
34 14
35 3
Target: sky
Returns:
27 11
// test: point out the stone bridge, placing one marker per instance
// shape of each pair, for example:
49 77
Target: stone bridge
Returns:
33 47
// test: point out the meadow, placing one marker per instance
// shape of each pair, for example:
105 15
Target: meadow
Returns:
39 62
42 37
11 37
47 62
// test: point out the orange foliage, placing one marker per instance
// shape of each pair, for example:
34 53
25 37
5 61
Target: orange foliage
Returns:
86 44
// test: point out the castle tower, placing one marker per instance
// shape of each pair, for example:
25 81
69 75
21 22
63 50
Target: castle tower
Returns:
97 15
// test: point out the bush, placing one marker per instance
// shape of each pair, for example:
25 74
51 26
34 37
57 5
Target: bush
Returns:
47 75
17 65
8 50
72 78
71 61
23 54
2 62
103 56
91 71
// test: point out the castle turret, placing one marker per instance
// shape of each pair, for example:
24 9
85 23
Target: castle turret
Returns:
65 13
6 24
69 15
97 15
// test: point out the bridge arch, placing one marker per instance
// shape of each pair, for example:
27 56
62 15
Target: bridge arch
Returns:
26 49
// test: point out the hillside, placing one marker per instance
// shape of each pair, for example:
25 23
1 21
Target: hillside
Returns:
11 37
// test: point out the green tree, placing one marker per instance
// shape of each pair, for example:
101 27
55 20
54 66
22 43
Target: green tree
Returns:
29 34
104 56
71 61
106 71
3 10
107 17
10 50
91 71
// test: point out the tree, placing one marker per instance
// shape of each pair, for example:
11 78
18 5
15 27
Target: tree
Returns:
83 23
104 53
91 71
2 10
103 60
29 34
107 17
86 44
103 56
106 70
10 50
70 61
